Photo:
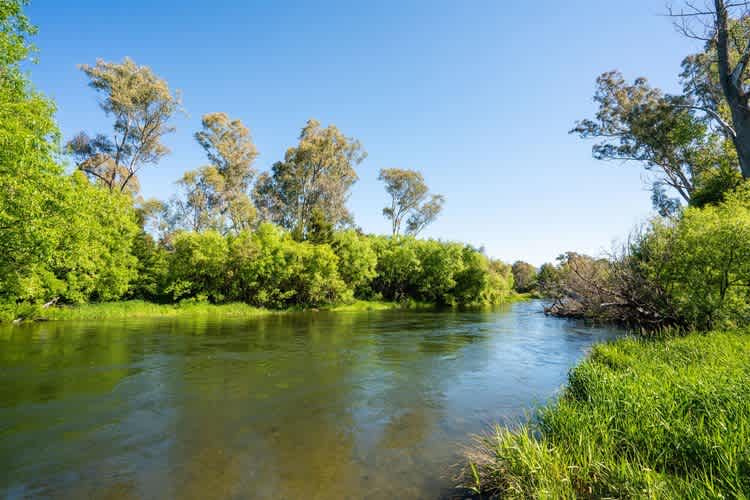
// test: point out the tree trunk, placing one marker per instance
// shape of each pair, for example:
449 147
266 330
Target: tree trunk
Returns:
742 140
731 85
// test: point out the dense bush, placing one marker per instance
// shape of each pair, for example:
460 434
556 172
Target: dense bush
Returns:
692 271
357 261
438 272
706 264
269 268
198 266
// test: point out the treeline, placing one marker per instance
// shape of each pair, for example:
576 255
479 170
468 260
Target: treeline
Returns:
267 267
277 239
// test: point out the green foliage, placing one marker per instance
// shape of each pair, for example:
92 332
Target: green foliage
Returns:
707 262
142 105
271 269
216 196
197 266
437 272
524 276
153 268
94 256
640 419
357 261
410 199
315 175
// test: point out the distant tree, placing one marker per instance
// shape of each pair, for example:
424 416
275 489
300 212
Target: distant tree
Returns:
230 148
425 214
199 207
410 200
216 196
142 105
524 276
317 174
547 279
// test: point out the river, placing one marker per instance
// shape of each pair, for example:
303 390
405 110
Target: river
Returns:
301 405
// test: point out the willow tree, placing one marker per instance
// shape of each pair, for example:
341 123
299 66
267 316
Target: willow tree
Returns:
312 182
410 200
142 105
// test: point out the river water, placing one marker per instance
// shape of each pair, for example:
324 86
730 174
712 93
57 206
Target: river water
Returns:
308 405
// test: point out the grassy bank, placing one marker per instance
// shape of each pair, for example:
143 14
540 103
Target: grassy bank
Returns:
143 309
639 419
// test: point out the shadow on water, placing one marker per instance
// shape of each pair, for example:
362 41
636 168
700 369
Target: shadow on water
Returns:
309 405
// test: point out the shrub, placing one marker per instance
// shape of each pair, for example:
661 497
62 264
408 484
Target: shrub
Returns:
198 266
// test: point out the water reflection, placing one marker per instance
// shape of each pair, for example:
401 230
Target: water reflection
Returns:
314 405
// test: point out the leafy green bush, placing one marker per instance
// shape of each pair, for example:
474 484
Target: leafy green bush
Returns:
702 261
198 266
269 268
357 261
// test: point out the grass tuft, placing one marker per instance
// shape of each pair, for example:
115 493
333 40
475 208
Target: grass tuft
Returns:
639 419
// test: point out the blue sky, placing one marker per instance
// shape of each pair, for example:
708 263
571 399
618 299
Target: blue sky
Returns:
477 95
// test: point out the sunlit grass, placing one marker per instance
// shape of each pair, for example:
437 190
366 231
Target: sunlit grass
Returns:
142 309
639 419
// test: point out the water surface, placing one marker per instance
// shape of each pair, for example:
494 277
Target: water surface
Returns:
309 405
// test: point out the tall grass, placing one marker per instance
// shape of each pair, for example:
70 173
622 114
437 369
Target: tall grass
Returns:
143 309
639 419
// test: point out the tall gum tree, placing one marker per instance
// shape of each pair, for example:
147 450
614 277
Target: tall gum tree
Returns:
142 106
313 181
724 27
411 200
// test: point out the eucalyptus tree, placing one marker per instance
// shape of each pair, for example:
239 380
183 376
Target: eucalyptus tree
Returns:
638 123
217 196
142 105
411 200
312 183
697 142
723 76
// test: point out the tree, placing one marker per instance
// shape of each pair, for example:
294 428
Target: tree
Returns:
200 208
216 196
524 276
315 175
229 147
142 105
410 199
726 32
425 214
636 122
60 237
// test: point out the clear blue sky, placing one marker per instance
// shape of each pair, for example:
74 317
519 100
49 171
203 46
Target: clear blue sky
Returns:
477 95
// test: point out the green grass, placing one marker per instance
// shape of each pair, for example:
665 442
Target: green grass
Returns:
374 305
142 309
638 419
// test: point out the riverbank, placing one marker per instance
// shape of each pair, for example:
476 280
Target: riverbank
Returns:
639 418
144 309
